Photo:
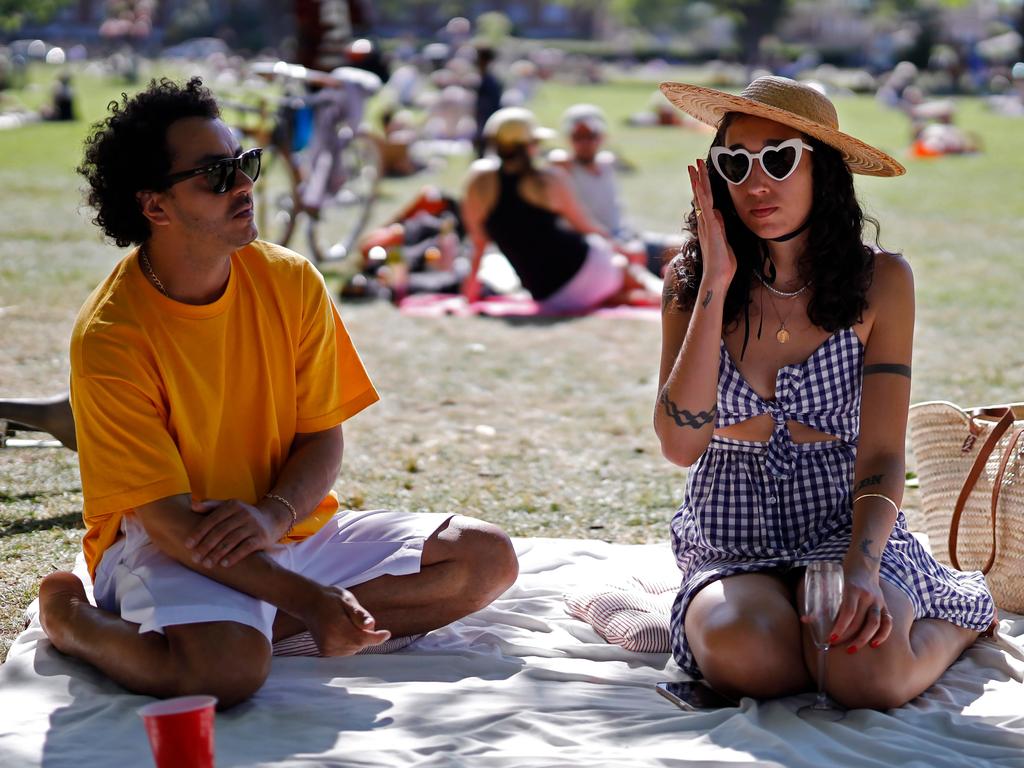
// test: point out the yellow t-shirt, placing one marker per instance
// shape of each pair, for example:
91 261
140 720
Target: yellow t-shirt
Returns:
172 398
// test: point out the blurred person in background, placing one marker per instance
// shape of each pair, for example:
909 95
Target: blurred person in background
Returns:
520 207
488 95
592 171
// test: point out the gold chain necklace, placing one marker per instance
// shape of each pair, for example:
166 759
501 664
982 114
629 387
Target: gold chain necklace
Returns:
782 335
150 273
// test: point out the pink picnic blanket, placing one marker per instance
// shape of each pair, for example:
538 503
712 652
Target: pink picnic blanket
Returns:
442 304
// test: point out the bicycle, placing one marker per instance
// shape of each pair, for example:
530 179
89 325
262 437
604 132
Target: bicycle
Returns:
319 164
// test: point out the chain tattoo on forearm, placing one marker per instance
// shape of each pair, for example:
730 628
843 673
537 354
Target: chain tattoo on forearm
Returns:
684 418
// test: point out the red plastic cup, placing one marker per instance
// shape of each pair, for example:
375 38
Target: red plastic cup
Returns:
181 731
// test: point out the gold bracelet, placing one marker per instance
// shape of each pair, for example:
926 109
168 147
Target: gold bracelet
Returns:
288 506
878 496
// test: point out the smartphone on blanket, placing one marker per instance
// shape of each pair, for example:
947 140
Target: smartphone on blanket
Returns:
694 696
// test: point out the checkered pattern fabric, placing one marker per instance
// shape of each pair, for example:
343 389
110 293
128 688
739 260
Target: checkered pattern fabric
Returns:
779 505
821 392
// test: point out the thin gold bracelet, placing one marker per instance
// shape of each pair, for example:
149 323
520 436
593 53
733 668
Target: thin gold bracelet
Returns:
878 496
288 506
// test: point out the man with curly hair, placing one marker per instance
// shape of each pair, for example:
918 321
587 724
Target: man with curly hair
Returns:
210 375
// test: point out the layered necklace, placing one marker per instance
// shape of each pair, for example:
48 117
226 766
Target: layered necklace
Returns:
782 335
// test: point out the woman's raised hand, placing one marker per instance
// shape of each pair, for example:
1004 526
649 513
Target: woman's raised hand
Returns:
716 253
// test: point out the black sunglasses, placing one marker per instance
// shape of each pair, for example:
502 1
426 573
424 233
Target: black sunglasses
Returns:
221 174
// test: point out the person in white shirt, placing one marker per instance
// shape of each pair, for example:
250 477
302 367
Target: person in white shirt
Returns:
592 172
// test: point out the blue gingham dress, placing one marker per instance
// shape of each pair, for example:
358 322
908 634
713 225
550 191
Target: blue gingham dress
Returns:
753 506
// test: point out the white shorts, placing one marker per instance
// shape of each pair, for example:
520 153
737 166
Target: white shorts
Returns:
148 588
596 280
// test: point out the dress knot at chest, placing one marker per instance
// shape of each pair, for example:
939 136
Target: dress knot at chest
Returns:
780 460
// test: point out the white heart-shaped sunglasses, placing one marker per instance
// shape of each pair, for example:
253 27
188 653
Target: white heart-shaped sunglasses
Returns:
778 162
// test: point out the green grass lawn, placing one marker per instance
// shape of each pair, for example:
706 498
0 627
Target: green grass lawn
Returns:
543 428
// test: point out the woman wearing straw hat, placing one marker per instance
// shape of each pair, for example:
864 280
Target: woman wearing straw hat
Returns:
785 383
522 209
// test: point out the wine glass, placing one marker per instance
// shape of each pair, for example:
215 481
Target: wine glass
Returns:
823 593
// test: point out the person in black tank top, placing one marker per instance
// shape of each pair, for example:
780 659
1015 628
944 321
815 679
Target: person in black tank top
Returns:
524 211
544 255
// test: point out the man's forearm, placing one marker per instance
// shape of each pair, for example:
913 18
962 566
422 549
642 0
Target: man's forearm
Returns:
226 542
308 473
169 523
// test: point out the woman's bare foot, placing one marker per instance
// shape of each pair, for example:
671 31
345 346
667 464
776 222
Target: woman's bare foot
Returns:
60 595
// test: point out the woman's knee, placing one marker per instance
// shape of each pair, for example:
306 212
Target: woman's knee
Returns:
881 678
224 659
748 652
882 687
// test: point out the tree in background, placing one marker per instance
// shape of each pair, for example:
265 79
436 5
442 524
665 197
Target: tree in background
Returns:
14 14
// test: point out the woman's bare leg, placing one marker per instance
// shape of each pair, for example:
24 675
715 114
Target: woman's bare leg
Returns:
745 634
913 657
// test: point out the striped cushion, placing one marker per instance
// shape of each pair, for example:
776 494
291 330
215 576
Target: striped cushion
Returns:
634 615
303 644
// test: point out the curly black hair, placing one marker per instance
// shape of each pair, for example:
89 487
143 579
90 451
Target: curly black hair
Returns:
127 153
837 262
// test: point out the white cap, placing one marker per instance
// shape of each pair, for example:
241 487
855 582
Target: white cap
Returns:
585 114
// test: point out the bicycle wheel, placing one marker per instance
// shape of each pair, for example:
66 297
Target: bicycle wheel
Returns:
342 217
275 198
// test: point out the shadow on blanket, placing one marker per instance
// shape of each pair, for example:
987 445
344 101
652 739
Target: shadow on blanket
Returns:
326 721
519 683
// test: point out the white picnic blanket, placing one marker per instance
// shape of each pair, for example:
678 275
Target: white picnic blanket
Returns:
518 684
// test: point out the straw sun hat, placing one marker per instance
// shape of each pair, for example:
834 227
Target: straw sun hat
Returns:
512 126
788 102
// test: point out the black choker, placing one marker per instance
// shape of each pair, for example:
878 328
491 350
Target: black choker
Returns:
792 234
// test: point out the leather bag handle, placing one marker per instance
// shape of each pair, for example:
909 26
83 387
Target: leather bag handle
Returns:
997 486
1004 423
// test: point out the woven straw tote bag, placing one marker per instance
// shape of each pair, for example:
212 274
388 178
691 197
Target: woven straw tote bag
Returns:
970 466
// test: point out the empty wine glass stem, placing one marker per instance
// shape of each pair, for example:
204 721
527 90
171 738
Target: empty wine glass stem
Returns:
822 701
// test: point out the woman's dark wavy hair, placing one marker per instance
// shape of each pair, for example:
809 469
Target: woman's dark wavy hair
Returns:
838 264
127 153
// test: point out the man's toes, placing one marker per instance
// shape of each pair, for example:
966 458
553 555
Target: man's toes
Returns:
61 582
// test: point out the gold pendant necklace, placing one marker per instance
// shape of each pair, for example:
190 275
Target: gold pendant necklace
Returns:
782 335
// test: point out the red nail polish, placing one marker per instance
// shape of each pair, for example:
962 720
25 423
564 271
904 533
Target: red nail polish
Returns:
852 649
875 643
834 638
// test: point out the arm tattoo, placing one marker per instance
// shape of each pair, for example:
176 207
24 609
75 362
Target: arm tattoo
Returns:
898 369
668 293
867 482
685 418
866 551
707 299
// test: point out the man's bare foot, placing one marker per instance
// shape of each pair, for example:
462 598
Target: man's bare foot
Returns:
60 594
